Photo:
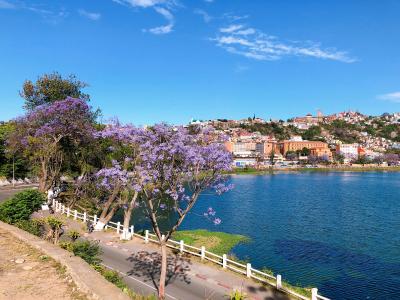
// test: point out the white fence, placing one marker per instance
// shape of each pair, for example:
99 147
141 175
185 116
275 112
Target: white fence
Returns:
223 261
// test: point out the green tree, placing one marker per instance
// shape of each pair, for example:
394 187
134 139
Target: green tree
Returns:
50 88
10 162
312 133
21 206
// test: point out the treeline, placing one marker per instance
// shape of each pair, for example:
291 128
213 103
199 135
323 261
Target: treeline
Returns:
115 167
340 129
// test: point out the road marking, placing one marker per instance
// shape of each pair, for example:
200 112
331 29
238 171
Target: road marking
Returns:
144 283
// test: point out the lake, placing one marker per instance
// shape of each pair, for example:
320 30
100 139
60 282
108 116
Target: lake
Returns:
338 231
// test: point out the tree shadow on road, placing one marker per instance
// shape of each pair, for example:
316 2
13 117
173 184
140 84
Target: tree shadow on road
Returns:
147 265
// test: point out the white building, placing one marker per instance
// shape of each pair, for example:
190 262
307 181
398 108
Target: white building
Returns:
349 151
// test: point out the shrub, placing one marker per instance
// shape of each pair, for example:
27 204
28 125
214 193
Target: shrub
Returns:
114 278
56 230
73 235
21 206
88 251
31 226
237 295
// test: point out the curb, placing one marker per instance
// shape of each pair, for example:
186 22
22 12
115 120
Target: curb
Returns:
87 279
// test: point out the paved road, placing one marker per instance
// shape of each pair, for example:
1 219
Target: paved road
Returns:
139 263
142 277
9 191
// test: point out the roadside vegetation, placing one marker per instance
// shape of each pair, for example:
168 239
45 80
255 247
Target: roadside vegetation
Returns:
17 211
113 168
216 242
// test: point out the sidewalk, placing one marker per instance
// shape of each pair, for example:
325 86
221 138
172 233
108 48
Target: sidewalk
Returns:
187 277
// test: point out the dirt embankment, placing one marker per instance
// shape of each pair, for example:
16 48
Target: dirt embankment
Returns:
26 273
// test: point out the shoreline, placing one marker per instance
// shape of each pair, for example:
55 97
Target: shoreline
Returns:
252 171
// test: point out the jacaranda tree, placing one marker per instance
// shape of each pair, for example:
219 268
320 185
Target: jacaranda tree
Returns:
121 178
42 134
176 167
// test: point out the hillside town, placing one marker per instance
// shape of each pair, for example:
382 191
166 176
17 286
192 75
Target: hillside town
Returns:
344 138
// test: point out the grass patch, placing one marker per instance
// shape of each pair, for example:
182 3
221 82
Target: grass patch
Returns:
304 291
216 242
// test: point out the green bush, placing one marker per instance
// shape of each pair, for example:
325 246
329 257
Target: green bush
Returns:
21 206
88 251
73 235
237 295
113 277
31 226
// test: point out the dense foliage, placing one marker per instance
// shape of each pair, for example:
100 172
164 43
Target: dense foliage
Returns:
21 206
87 250
34 227
7 158
50 133
275 129
50 88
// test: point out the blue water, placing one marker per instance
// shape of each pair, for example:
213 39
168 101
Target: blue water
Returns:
339 232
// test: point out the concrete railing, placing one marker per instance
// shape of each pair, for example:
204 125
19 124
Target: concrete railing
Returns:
226 263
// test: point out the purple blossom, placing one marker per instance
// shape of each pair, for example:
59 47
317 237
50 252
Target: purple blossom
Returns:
217 221
211 211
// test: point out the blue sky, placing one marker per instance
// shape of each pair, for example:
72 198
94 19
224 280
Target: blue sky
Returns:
152 60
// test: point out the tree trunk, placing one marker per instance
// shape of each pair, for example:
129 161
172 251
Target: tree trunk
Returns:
128 212
107 205
127 218
107 214
163 274
43 177
103 220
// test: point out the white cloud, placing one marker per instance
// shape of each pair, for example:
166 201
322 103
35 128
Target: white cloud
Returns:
146 3
246 31
49 16
392 97
6 5
90 15
165 13
252 43
161 29
231 28
162 7
206 17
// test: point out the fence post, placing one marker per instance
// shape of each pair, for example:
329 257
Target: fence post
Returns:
146 236
278 281
54 202
118 225
248 270
84 217
132 230
75 214
203 252
56 206
63 209
95 219
181 246
314 293
162 238
68 212
224 261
